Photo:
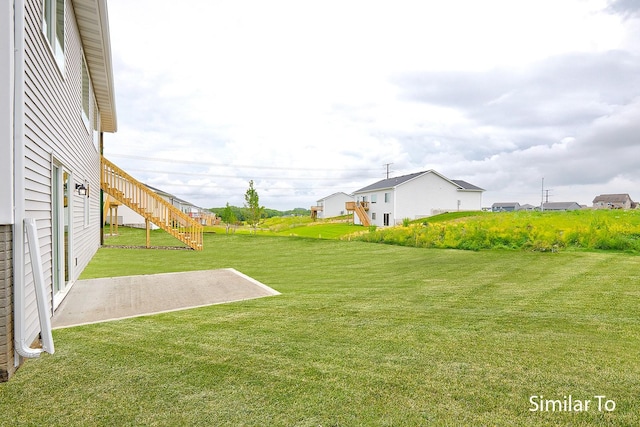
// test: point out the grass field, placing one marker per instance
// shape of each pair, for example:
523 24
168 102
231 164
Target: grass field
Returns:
362 334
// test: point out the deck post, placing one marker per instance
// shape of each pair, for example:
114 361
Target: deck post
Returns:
147 224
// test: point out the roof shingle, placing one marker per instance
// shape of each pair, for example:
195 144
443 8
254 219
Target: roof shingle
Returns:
396 181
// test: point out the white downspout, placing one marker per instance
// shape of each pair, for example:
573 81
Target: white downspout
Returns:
21 346
395 207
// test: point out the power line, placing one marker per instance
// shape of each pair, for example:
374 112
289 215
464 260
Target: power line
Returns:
225 187
193 162
207 175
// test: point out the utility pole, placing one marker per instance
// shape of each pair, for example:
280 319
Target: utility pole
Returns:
387 165
542 198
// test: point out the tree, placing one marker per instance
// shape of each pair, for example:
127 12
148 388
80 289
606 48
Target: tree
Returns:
252 206
229 217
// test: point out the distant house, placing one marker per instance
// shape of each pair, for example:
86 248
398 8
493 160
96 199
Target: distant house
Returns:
128 217
613 201
56 100
201 215
330 206
417 195
528 207
505 207
561 206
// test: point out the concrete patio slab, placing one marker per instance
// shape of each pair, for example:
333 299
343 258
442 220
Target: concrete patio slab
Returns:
112 298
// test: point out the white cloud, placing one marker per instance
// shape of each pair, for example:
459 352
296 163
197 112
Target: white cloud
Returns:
309 98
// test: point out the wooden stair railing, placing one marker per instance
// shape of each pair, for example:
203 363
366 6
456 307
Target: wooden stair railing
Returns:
362 214
360 208
136 196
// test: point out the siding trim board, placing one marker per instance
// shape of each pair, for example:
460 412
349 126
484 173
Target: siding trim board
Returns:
6 111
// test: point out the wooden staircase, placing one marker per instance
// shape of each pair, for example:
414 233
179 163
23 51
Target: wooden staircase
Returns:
136 196
360 208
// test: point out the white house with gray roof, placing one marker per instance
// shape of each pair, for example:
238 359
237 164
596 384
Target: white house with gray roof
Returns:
331 206
417 195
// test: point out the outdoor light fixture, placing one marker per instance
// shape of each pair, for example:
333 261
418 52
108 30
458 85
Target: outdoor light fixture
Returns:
82 190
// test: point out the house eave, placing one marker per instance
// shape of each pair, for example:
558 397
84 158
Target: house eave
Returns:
93 24
374 190
412 177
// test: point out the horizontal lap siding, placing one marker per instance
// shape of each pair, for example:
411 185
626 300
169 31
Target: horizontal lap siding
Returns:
424 196
430 194
54 129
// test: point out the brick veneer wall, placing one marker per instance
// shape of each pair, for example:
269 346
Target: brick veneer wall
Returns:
6 304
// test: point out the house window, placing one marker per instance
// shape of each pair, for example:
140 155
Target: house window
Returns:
385 219
374 198
373 215
53 28
86 94
387 197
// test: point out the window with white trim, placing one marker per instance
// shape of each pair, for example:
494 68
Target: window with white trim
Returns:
53 28
86 94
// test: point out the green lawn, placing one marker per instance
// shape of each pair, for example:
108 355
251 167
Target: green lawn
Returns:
363 334
331 228
323 230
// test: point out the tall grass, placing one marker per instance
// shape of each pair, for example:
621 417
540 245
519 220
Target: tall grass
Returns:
538 231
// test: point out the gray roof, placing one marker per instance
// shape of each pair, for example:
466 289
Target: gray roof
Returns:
399 180
160 192
561 205
334 194
505 204
174 198
612 198
389 183
464 185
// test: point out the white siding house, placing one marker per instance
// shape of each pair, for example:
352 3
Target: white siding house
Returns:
416 195
57 98
333 205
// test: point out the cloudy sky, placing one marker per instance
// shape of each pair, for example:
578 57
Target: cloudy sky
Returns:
307 98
